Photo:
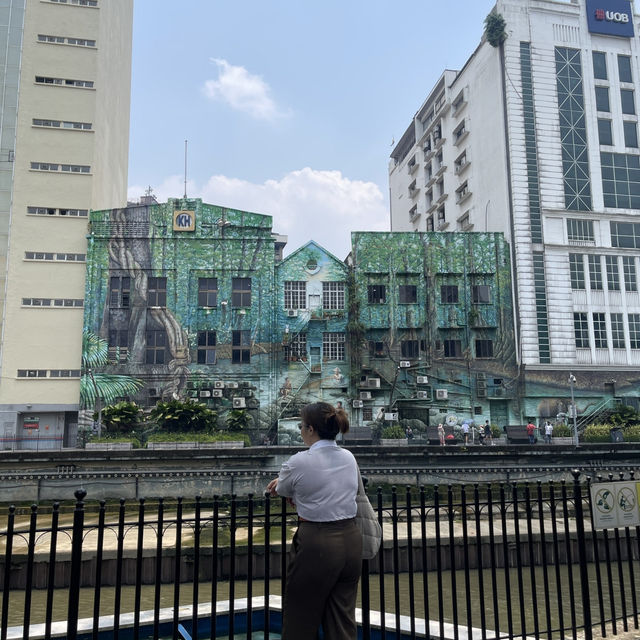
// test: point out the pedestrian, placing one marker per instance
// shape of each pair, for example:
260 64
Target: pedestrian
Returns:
531 432
487 433
409 433
548 431
441 434
481 434
325 560
465 432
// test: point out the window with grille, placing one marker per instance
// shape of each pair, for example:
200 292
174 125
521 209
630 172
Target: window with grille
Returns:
377 293
118 346
630 273
576 270
120 291
581 330
156 347
367 413
241 347
407 294
410 348
333 295
333 346
157 292
376 349
452 349
613 274
625 234
634 330
580 230
295 294
207 292
241 292
484 348
449 294
296 349
480 294
599 331
595 273
206 347
617 331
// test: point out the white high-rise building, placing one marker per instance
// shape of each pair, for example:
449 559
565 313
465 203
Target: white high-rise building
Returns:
537 137
65 71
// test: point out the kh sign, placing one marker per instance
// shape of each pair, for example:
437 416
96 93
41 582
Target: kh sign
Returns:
610 17
184 220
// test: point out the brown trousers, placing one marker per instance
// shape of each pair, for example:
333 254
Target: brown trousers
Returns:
322 581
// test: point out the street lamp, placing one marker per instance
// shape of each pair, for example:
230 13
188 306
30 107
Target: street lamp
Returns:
572 381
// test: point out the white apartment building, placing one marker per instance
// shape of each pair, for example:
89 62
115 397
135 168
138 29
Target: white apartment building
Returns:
538 138
65 69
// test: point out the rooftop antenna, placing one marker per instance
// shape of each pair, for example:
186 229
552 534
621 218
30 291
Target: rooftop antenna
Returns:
185 169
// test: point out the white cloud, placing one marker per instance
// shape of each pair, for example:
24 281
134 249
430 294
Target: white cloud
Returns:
306 205
243 91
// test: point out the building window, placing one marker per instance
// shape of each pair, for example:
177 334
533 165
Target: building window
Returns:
64 373
376 349
81 3
296 349
602 99
459 132
595 273
407 294
599 331
207 292
624 69
484 348
413 212
62 124
156 292
295 294
118 346
628 102
241 292
630 273
617 331
449 294
634 330
581 330
452 349
410 348
333 295
333 346
32 373
206 347
604 131
625 235
77 42
613 274
430 223
620 180
460 162
120 292
367 413
156 347
241 347
630 134
53 211
599 65
377 294
64 82
580 230
480 294
441 216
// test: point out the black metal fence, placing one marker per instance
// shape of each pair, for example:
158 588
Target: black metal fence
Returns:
497 561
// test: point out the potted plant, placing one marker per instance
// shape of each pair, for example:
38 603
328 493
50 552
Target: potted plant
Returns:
393 436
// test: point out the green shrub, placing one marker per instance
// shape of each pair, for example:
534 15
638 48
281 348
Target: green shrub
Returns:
167 436
561 431
624 415
120 418
496 432
184 416
237 420
632 433
597 433
495 29
109 438
393 432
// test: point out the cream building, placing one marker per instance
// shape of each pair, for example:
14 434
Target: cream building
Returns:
65 69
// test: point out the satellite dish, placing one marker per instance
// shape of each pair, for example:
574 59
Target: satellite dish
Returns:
451 420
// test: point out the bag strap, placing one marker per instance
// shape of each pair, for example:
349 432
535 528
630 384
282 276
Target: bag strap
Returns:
360 483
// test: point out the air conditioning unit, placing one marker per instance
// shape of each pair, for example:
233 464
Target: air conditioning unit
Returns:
239 403
365 395
292 313
357 404
442 394
405 363
232 385
217 393
218 384
374 383
205 394
154 392
423 380
481 392
423 395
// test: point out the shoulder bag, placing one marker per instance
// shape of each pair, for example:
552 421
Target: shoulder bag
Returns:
367 522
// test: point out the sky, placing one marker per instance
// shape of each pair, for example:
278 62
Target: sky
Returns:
290 109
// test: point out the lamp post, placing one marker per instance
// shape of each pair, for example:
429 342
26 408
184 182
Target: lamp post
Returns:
572 381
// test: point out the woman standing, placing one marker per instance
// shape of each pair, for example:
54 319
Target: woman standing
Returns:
325 562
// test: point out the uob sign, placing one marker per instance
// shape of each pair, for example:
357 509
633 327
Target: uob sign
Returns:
610 17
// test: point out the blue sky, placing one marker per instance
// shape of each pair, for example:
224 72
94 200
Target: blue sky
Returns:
289 108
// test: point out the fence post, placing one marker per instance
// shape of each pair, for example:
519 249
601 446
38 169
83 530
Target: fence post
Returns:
76 564
582 555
